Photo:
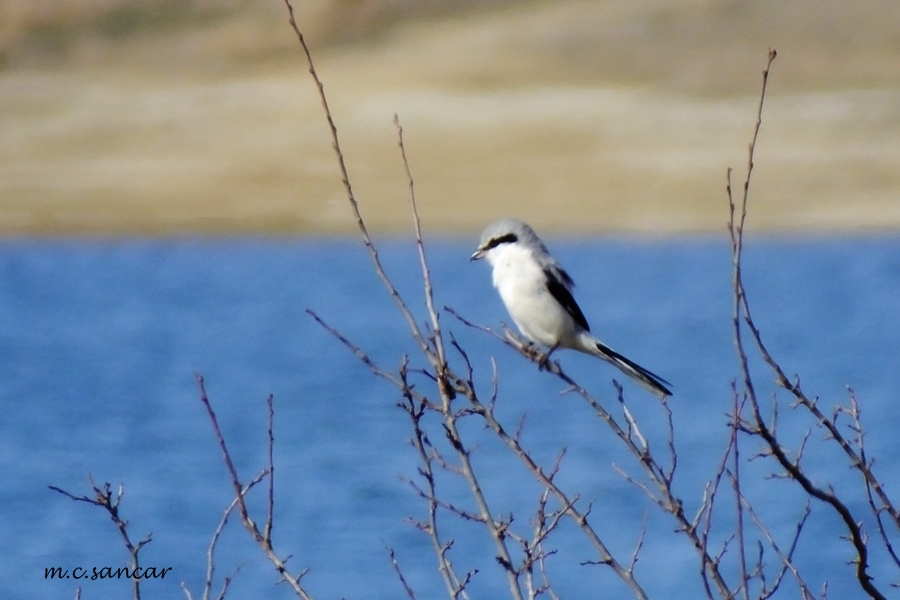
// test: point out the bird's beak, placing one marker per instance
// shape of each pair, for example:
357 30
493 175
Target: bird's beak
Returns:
477 255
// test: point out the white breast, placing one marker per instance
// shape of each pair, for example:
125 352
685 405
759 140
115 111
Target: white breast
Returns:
522 285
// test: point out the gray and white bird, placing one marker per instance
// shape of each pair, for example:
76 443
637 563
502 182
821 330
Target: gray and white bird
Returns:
537 293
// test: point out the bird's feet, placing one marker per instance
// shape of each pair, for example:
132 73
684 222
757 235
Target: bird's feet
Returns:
543 360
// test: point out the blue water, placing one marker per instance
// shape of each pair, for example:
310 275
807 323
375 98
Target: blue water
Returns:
100 341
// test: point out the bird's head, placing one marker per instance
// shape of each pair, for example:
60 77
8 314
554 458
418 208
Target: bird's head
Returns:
504 231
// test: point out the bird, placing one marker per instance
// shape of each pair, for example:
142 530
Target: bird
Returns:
537 293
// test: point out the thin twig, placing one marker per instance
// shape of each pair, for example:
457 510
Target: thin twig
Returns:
261 539
416 410
441 365
354 205
399 572
267 532
739 507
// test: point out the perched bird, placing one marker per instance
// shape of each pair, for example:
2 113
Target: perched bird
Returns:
537 293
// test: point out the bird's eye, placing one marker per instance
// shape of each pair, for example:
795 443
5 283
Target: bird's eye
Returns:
509 238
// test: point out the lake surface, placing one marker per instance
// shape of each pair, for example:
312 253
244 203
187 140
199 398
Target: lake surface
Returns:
101 340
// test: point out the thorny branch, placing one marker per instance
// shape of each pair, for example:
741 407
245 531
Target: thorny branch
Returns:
211 551
756 425
262 538
434 350
660 476
103 497
351 197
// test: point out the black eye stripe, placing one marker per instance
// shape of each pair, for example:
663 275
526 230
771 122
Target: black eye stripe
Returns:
509 238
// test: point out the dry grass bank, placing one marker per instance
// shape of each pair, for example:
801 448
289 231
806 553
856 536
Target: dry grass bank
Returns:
587 116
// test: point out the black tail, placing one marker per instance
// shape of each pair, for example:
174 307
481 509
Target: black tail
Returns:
648 379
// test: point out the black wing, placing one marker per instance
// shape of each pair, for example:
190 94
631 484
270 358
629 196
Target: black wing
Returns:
559 290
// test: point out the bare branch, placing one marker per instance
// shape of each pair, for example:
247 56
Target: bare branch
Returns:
785 557
354 205
416 410
441 364
659 475
267 532
758 427
261 539
399 572
103 497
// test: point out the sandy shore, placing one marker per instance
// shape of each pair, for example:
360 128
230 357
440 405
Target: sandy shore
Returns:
130 147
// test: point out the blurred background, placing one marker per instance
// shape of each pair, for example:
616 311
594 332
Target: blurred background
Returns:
170 204
179 116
